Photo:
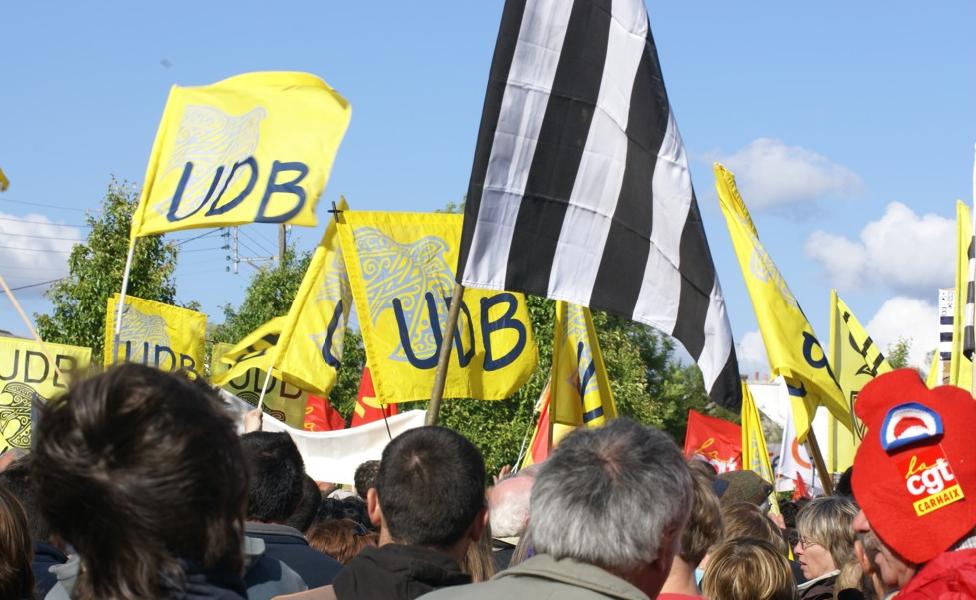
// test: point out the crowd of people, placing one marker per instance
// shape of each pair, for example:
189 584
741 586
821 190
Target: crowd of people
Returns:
139 486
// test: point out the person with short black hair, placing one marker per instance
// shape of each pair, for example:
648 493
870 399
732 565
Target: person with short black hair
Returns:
365 477
304 514
429 503
277 479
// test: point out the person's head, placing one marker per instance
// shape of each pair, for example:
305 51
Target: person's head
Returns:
430 491
478 561
621 482
745 486
892 569
704 528
826 538
277 476
748 569
17 479
365 477
746 520
342 539
308 507
140 470
508 506
16 550
915 469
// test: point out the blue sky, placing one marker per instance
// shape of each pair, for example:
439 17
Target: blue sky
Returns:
850 125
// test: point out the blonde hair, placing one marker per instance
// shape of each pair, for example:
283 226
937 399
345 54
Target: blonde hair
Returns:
704 528
478 561
748 569
746 520
827 521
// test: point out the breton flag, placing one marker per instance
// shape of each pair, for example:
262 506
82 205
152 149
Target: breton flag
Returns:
969 336
580 189
962 363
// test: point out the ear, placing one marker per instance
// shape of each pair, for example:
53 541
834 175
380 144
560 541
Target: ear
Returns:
478 526
373 508
670 547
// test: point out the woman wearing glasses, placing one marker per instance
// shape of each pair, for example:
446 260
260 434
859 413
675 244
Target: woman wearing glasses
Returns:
826 544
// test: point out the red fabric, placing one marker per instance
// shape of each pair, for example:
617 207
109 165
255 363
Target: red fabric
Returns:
890 484
363 413
320 416
801 490
949 576
679 597
540 443
716 440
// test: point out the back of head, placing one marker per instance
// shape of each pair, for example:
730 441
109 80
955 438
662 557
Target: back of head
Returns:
277 476
138 470
827 521
17 479
746 520
704 528
342 539
365 477
748 569
16 576
303 515
621 482
431 486
745 486
508 506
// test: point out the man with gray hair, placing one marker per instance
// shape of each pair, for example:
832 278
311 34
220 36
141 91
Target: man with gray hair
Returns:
508 515
608 509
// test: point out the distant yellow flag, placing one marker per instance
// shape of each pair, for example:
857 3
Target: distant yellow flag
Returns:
255 351
546 434
932 380
855 360
256 147
961 369
282 400
580 390
4 182
401 269
755 455
160 335
30 370
791 344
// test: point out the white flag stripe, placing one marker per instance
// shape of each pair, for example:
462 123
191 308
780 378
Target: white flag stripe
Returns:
718 339
671 194
600 176
657 304
520 120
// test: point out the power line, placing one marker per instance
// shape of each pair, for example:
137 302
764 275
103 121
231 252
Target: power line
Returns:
197 237
43 222
45 205
24 287
41 237
256 242
204 249
36 250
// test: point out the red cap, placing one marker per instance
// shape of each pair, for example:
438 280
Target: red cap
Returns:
915 470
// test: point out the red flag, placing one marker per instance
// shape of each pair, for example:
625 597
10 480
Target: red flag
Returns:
320 416
715 440
801 490
364 411
540 446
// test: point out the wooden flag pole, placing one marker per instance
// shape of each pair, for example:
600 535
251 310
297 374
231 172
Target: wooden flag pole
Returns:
447 342
30 327
825 481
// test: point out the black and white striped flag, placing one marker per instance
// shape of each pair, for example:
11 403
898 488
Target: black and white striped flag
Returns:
580 189
969 314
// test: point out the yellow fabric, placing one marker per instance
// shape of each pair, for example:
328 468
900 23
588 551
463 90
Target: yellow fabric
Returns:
255 147
961 370
544 427
580 390
159 335
855 360
791 344
932 380
755 455
401 269
28 370
255 351
282 400
4 182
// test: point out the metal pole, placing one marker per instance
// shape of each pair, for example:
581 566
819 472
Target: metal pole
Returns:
121 306
447 342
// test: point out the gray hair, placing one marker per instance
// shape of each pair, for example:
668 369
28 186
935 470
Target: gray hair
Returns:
608 495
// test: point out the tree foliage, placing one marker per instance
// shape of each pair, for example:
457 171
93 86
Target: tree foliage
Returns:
95 270
898 353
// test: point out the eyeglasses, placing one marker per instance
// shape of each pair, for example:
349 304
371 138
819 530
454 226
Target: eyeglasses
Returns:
806 543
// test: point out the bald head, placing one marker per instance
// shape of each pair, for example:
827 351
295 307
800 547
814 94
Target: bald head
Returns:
508 506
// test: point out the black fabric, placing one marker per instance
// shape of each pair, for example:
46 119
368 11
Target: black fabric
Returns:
397 572
288 545
45 557
212 585
822 590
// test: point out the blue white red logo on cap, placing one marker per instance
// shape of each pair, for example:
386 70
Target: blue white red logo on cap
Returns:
909 423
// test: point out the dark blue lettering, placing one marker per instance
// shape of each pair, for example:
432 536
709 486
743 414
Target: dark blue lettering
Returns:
327 355
289 187
174 204
219 210
27 367
158 354
435 325
505 322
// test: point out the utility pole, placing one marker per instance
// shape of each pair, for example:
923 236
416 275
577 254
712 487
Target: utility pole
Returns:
282 242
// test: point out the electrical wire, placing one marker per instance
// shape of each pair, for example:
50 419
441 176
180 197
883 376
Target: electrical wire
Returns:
42 222
45 205
202 249
41 237
24 287
197 237
256 242
36 250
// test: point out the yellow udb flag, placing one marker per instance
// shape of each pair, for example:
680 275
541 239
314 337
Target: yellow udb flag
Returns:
167 337
256 147
755 455
791 345
255 351
282 400
580 391
401 269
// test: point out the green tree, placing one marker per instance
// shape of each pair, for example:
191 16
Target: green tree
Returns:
95 270
898 352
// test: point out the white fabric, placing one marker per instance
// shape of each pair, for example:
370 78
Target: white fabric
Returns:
718 338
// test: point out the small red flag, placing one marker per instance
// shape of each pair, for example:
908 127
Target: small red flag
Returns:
364 412
801 490
716 440
320 416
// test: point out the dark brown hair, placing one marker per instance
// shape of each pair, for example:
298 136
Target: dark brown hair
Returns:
140 470
342 539
16 550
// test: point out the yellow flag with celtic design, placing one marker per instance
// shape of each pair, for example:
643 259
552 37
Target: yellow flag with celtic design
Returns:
257 147
31 370
282 400
255 351
579 386
160 335
791 344
401 270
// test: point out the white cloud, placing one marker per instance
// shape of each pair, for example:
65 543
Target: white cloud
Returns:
907 318
770 173
909 254
35 251
751 354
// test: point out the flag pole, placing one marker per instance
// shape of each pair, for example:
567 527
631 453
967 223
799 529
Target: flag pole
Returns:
818 461
447 341
971 318
118 309
30 327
